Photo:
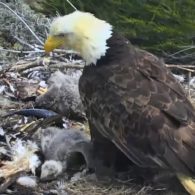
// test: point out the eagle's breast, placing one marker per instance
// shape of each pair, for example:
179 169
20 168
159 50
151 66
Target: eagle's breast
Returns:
134 101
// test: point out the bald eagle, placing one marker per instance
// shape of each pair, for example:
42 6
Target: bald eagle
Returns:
131 99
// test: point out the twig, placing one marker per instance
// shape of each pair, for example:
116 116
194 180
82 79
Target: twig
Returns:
71 5
177 57
22 22
65 51
7 142
42 62
23 42
10 181
192 47
187 69
182 67
63 65
37 68
179 66
38 46
39 51
24 52
39 62
189 79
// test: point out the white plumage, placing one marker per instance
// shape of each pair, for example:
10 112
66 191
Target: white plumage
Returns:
84 33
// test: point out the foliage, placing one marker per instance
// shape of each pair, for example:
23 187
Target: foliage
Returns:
14 35
155 25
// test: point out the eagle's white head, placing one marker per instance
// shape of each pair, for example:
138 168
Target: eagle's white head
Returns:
82 32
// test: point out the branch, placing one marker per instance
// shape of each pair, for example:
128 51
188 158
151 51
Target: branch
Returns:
61 51
22 67
24 52
44 62
10 181
72 5
179 66
182 67
64 65
23 42
186 49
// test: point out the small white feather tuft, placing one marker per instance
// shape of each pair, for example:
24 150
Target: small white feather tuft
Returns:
192 82
34 162
22 148
27 181
23 159
2 132
51 169
180 78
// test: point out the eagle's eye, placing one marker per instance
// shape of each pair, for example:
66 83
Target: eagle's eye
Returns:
62 35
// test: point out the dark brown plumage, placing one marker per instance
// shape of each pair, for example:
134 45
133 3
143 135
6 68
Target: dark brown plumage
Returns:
134 105
133 101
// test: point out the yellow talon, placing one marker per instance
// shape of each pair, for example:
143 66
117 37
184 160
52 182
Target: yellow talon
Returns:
188 183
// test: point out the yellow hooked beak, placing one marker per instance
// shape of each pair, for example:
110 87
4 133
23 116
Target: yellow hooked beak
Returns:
53 42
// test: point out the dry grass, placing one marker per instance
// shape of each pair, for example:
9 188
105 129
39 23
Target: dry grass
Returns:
99 188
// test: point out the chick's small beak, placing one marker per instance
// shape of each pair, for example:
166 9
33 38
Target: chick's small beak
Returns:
53 42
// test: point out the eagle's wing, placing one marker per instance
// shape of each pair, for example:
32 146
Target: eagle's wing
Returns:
143 110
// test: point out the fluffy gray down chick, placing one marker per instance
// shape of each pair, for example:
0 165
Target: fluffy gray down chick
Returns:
58 145
62 95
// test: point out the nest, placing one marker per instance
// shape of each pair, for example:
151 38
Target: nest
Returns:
28 70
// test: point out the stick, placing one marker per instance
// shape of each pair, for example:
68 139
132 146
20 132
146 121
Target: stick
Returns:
188 48
189 78
9 181
179 65
24 52
71 5
28 65
23 42
61 51
63 65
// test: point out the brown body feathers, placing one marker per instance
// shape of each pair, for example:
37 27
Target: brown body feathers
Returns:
133 101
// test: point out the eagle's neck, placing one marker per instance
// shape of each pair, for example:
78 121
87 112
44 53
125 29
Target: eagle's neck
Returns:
118 50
